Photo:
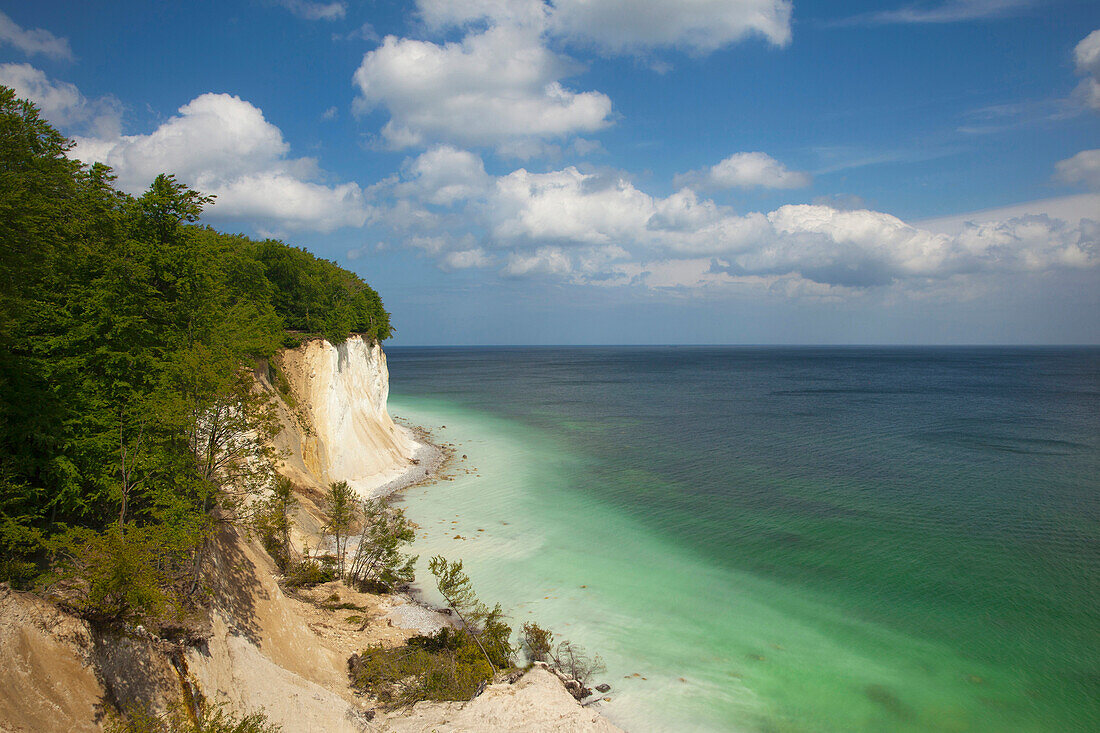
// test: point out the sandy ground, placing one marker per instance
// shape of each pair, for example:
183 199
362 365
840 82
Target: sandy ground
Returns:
47 681
536 703
288 656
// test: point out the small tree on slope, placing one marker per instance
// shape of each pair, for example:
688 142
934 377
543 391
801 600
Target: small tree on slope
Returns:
340 506
377 559
485 626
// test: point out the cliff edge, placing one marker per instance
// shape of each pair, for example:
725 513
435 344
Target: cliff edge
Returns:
336 426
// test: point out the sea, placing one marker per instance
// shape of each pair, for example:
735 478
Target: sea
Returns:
781 538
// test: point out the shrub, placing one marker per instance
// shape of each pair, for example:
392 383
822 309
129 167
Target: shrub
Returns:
311 572
207 719
272 522
446 639
536 642
378 565
19 546
484 626
446 666
116 576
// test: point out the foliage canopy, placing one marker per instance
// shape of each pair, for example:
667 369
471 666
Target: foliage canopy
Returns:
129 418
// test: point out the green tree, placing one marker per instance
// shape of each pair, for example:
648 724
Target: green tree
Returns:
378 559
536 642
339 518
485 626
128 339
273 522
168 204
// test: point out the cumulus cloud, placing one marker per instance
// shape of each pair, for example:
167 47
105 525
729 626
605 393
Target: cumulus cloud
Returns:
222 145
61 102
33 41
495 87
628 26
315 11
443 175
598 228
1081 168
502 86
567 206
745 170
1087 56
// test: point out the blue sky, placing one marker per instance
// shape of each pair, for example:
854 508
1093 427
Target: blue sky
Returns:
621 171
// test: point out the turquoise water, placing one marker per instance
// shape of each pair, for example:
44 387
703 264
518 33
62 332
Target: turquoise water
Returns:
784 539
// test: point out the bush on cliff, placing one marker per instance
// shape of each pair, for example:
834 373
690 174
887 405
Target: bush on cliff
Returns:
536 642
204 719
273 522
445 666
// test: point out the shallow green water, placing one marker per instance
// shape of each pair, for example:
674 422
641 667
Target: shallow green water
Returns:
773 574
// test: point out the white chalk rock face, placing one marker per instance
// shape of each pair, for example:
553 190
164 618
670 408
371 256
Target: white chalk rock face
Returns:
343 390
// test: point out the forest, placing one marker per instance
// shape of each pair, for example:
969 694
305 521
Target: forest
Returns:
129 420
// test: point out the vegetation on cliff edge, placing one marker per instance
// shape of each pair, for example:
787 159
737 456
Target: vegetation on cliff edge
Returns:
129 420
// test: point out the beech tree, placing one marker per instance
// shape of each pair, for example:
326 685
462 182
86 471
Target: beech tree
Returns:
130 423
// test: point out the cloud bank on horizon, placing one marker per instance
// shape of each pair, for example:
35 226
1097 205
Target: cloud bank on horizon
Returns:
484 98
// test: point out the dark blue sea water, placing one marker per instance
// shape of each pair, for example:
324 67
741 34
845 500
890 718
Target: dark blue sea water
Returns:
857 538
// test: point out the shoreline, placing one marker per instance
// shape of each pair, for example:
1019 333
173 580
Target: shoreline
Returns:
427 462
538 700
430 462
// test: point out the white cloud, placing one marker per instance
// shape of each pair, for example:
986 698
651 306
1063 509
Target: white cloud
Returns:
952 11
745 170
567 206
1071 209
315 11
222 145
1087 56
502 86
543 261
443 175
492 88
61 102
627 26
33 41
600 229
1081 168
439 14
465 258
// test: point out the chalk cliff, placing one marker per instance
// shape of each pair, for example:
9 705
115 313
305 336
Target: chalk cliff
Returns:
336 423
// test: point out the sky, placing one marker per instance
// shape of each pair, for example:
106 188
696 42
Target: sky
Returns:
620 171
